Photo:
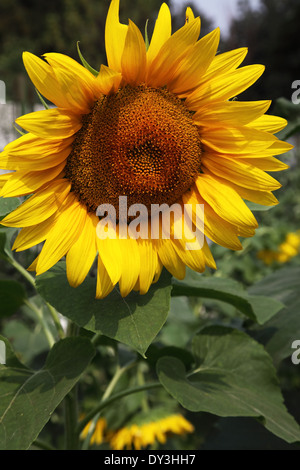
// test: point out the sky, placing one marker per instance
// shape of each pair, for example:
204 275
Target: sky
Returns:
219 11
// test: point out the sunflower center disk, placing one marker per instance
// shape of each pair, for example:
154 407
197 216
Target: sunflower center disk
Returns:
140 143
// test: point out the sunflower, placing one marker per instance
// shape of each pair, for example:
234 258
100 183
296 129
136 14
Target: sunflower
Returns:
138 436
98 433
287 250
158 126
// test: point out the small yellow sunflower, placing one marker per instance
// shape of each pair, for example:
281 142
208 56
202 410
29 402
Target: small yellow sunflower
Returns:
141 436
287 250
158 126
98 434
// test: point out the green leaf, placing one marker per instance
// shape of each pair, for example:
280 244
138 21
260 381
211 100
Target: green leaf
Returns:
5 242
11 358
234 376
28 398
8 204
146 35
20 131
258 207
181 323
134 320
279 332
85 63
42 99
12 295
258 308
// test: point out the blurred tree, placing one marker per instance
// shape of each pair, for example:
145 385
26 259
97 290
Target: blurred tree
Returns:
271 34
56 26
178 18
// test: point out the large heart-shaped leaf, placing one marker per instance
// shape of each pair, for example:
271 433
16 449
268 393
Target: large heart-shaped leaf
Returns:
234 376
134 320
283 329
257 307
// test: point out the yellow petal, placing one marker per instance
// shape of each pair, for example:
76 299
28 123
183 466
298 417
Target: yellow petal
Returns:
78 84
268 123
266 198
40 206
30 151
32 236
104 283
189 245
225 201
171 53
224 87
240 172
236 140
133 60
170 259
131 263
277 148
68 226
29 144
32 267
110 253
194 65
50 124
115 35
266 163
208 257
44 79
148 256
108 80
224 63
161 33
33 160
246 232
159 268
194 259
215 228
189 15
82 253
4 178
232 113
26 182
85 80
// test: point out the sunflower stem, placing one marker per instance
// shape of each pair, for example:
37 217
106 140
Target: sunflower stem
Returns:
146 36
141 382
118 373
71 415
56 321
31 280
71 406
22 271
112 399
39 314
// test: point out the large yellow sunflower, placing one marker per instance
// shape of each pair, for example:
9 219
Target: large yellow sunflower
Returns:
157 125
